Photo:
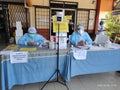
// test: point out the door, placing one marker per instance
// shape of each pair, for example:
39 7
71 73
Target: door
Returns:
4 25
71 20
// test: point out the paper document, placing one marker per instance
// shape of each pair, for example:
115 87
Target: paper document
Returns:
79 54
19 57
63 27
114 46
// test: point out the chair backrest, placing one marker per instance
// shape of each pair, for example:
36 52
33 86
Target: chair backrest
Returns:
101 39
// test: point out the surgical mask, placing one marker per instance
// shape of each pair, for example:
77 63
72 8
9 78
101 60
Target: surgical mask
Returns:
31 35
80 31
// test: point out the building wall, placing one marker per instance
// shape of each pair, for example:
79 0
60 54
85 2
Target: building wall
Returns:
84 4
105 7
81 3
40 2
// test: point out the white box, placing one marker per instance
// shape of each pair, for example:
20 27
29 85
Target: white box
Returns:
62 42
17 38
18 32
61 34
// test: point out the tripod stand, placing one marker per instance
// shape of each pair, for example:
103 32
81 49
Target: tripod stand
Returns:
57 71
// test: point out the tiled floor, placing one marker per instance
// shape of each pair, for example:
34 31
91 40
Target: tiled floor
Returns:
100 81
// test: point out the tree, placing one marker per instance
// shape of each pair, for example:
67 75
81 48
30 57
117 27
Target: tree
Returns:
112 25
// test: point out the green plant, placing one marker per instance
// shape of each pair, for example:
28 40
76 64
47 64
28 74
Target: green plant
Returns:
112 24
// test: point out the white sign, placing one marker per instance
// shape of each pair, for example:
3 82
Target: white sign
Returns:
19 57
80 54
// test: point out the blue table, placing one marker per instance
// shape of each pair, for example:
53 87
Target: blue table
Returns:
96 62
38 69
42 65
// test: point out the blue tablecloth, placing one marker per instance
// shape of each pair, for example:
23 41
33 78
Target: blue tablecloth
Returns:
38 69
42 65
95 62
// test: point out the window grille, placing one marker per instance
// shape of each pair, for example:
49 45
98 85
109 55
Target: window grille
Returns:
42 21
17 13
91 19
86 18
82 18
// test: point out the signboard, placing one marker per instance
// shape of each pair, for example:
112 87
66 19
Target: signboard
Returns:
63 26
115 12
19 57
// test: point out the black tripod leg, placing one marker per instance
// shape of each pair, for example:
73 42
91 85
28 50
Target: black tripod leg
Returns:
48 80
64 82
57 70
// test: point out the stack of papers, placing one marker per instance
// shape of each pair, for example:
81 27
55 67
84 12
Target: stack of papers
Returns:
79 54
28 49
83 47
11 47
114 46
